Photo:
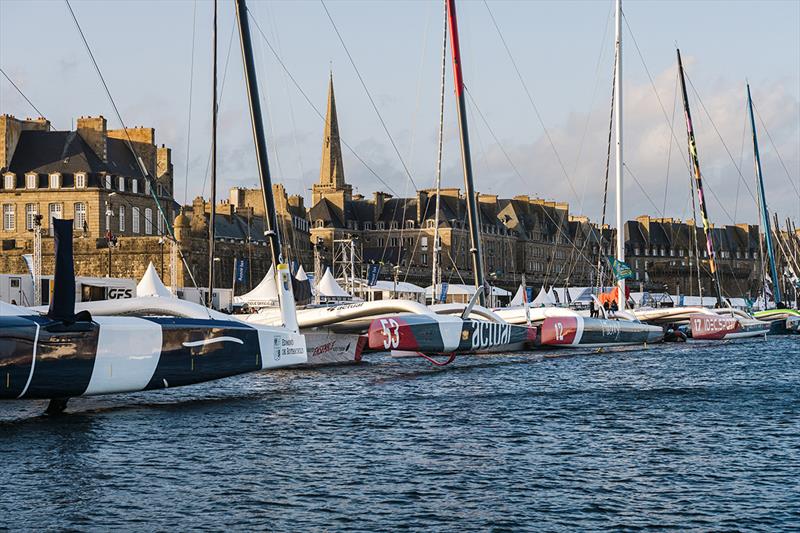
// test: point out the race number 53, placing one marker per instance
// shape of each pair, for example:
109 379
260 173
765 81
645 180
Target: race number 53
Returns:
391 333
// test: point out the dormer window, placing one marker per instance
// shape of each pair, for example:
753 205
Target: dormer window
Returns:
367 225
147 187
55 181
107 182
121 184
9 182
380 225
393 225
80 180
30 181
409 224
135 186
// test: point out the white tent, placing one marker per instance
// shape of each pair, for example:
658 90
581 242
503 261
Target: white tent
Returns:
543 299
301 274
519 297
151 284
329 289
265 294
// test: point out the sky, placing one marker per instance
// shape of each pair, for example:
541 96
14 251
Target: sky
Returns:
546 137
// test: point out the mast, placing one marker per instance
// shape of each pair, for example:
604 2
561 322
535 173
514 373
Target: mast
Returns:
212 224
764 211
270 218
472 208
712 265
619 161
435 265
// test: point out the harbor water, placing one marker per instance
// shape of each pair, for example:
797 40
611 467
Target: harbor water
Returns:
684 436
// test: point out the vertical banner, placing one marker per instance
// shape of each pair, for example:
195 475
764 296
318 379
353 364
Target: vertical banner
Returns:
529 293
241 270
443 293
372 274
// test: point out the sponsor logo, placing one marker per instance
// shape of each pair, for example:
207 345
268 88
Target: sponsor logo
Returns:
323 348
487 334
610 328
118 293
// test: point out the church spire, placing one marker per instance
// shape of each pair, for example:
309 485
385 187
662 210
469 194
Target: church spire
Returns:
331 171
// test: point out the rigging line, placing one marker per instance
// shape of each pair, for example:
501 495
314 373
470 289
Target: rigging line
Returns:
219 100
649 199
669 149
775 147
189 114
741 157
608 167
591 105
491 132
655 91
714 125
22 94
310 103
143 170
530 99
364 85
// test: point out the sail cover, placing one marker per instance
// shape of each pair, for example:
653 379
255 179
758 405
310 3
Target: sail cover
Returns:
151 284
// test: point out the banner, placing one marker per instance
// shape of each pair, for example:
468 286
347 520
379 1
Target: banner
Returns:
373 272
241 270
443 291
529 293
621 270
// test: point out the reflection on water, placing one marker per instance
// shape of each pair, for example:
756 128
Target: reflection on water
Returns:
680 436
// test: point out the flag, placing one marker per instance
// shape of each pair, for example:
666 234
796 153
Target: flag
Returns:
621 270
372 274
241 269
443 291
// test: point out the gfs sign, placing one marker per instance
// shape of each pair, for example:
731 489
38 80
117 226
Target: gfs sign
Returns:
118 293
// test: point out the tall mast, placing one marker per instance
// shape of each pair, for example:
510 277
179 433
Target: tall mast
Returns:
619 161
436 266
270 218
212 223
764 211
712 264
472 208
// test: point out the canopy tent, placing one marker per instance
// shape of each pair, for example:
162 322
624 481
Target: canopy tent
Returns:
301 274
389 286
151 284
519 297
543 299
329 289
265 294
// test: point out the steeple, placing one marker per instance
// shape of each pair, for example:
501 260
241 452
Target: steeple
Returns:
331 170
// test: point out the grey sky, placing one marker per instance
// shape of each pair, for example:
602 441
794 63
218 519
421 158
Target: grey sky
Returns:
564 51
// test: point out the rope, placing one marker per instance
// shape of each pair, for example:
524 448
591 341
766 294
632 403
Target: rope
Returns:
189 114
366 90
22 94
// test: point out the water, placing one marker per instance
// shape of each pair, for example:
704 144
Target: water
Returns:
677 436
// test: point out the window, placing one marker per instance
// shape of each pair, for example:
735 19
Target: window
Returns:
380 225
55 181
135 219
135 186
56 211
30 181
424 243
409 224
107 182
9 182
80 215
319 223
367 225
393 225
9 217
424 259
160 190
147 186
121 184
31 210
80 181
160 226
121 218
148 221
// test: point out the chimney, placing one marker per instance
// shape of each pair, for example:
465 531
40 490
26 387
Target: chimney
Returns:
94 132
422 205
379 198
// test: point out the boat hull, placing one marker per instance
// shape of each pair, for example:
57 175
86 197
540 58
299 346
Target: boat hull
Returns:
45 359
581 332
711 328
444 334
